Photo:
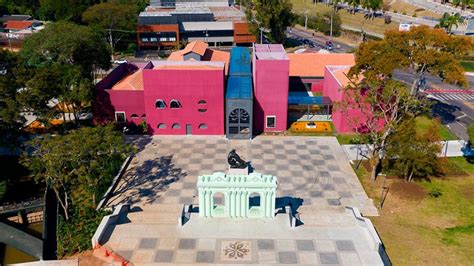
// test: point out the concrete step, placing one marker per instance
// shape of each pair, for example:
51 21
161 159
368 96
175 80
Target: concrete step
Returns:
147 217
162 208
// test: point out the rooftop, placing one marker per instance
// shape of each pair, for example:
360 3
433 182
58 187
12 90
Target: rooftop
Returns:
313 64
270 52
340 74
18 25
188 65
201 48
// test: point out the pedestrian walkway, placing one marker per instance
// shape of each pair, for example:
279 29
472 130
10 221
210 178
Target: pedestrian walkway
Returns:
452 96
451 148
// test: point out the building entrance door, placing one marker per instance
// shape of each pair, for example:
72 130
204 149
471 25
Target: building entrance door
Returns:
189 129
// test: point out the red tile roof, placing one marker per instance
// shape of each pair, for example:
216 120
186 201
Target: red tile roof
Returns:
133 82
18 25
197 47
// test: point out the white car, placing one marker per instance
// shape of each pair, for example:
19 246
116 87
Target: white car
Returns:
121 61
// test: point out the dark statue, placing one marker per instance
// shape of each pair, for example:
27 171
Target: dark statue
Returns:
235 161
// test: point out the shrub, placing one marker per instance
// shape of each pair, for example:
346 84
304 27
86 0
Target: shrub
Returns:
435 192
75 235
414 15
404 13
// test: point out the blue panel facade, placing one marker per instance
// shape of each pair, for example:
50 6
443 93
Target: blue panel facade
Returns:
239 95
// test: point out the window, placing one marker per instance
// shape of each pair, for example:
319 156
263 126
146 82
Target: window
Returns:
163 39
134 116
174 104
172 39
202 110
175 126
271 121
160 104
202 126
233 130
120 117
143 115
144 39
202 102
161 125
153 39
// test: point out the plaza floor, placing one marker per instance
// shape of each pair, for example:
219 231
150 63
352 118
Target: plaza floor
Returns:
312 172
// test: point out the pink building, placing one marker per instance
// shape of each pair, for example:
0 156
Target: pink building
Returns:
270 79
335 79
185 98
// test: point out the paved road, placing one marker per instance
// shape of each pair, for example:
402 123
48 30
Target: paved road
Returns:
454 105
318 40
437 7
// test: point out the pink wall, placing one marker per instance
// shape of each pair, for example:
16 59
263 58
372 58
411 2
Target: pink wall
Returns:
344 123
109 101
188 87
271 80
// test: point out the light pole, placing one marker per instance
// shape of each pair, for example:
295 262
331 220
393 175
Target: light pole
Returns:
306 19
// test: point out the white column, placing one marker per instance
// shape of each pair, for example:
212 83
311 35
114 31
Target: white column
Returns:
201 203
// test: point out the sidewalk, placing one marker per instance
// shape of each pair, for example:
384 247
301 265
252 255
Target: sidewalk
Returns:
451 148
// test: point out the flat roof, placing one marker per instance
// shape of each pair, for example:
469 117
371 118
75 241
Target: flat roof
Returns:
314 64
188 65
207 25
270 52
340 74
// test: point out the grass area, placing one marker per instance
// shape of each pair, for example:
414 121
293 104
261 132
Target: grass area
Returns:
401 6
423 123
418 229
346 138
463 164
468 65
356 21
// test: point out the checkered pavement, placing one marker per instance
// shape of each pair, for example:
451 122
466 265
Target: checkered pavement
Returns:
242 251
310 169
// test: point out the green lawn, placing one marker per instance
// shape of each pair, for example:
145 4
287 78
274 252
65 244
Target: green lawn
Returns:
418 229
346 138
356 21
468 65
463 164
423 123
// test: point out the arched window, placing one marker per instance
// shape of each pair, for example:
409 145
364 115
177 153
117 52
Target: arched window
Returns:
202 102
175 126
174 104
161 125
134 116
202 110
254 200
202 126
160 104
143 115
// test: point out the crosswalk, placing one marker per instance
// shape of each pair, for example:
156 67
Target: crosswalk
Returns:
452 96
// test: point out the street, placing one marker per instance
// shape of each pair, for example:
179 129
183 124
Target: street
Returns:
319 41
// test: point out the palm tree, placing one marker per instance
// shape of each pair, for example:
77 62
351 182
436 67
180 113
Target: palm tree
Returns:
354 4
448 21
462 3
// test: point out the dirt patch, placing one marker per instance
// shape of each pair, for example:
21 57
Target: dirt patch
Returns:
408 190
468 192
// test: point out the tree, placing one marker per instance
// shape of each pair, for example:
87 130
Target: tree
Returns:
117 20
62 60
272 15
414 153
372 6
448 21
322 23
77 166
11 120
353 4
419 51
383 104
66 43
